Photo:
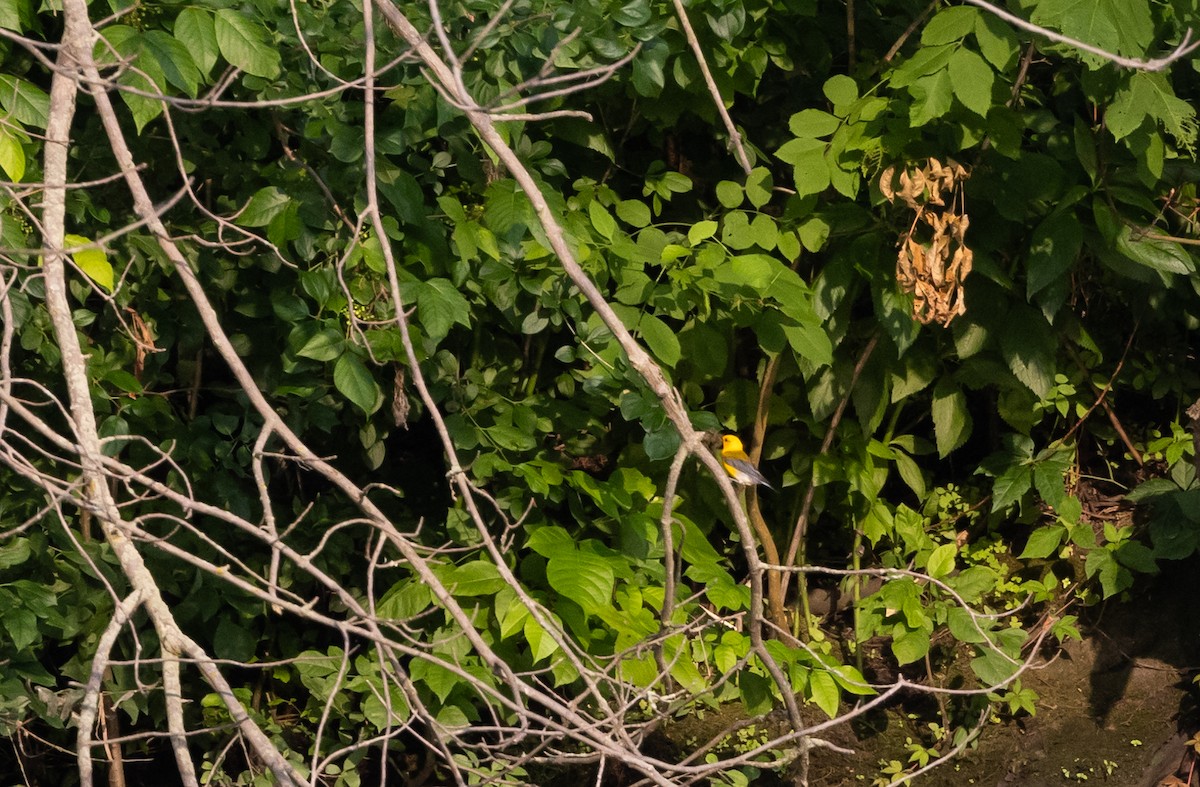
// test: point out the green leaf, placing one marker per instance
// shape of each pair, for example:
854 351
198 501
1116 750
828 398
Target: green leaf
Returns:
21 625
759 185
439 306
584 578
16 15
949 25
1053 250
1148 247
404 600
24 101
730 194
1010 486
12 156
1028 345
951 420
701 230
932 95
602 220
810 168
1043 542
810 342
265 205
1048 472
1150 95
649 68
841 90
941 561
93 262
634 212
232 640
477 578
1122 26
354 381
963 627
909 645
440 680
243 42
174 60
972 79
997 41
813 123
195 30
326 345
825 692
992 668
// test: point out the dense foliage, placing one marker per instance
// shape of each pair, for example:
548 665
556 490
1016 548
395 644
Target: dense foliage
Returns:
952 433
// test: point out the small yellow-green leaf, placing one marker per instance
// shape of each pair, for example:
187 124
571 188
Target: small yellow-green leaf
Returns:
12 157
93 262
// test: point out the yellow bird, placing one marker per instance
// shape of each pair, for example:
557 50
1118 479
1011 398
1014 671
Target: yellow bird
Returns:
738 465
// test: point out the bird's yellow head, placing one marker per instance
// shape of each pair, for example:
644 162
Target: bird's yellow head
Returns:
731 442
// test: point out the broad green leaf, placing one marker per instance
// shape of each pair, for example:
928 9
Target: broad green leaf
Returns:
941 561
1148 247
1028 345
439 306
1122 26
440 680
1048 472
658 336
354 381
1010 486
965 628
28 104
195 30
925 61
1053 250
909 645
634 212
93 262
992 668
949 25
998 43
477 578
841 91
21 625
730 194
1043 542
16 15
810 342
809 165
759 185
825 692
1150 95
602 220
15 552
406 599
12 156
266 203
326 345
701 230
649 68
813 123
174 60
972 79
951 420
244 43
584 578
232 640
932 95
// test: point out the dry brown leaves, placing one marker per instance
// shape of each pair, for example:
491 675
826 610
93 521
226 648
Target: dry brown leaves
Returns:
933 258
